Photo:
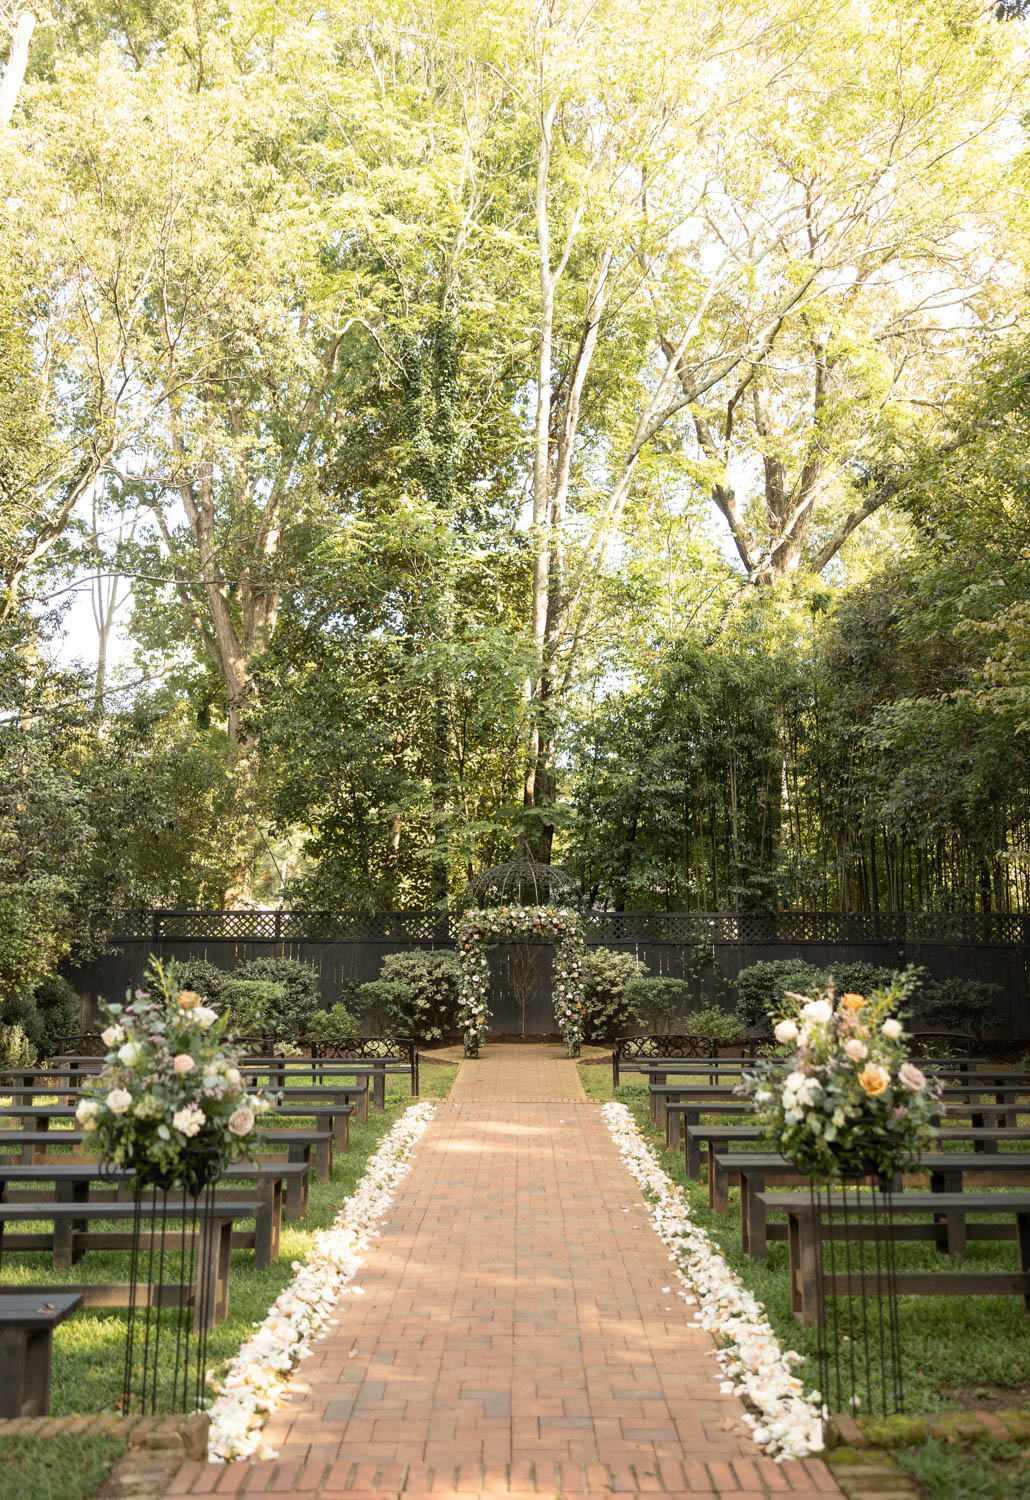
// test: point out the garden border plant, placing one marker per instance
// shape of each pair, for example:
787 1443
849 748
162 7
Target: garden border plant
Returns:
479 928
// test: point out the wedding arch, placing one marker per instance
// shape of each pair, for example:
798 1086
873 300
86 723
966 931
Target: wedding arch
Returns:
479 928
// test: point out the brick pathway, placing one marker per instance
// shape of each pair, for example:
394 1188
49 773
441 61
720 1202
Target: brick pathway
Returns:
517 1335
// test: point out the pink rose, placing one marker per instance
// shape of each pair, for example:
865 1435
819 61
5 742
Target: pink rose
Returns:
241 1121
911 1077
856 1050
183 1063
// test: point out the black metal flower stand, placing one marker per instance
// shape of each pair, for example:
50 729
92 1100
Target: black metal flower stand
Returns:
856 1295
172 1290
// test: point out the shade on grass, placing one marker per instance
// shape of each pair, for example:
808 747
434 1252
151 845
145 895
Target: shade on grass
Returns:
88 1348
947 1342
68 1466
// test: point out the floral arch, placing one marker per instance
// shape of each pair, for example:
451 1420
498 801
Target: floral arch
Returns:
478 929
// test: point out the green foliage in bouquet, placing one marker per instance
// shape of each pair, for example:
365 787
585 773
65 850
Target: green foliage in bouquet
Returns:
170 1096
845 1100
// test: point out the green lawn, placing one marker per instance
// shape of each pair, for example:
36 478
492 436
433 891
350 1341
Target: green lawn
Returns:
958 1351
68 1466
88 1348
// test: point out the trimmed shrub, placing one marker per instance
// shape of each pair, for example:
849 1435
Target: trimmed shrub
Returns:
762 989
713 1022
606 973
16 1051
382 1003
334 1025
252 1005
658 1002
59 1010
959 1005
20 1011
205 978
860 978
430 978
290 1017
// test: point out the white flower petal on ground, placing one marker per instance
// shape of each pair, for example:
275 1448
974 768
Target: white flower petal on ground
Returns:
257 1381
753 1364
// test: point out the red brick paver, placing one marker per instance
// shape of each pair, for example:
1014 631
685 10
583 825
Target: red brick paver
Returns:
518 1331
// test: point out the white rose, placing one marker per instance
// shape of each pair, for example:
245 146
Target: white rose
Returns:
233 1078
113 1036
118 1101
129 1054
892 1028
86 1113
205 1016
817 1010
786 1031
188 1120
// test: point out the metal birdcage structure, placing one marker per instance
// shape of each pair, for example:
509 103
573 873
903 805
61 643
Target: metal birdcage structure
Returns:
521 881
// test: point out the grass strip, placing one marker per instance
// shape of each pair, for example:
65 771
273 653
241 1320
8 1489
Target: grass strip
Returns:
88 1348
947 1342
67 1466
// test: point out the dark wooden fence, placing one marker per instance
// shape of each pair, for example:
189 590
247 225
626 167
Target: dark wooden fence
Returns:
350 946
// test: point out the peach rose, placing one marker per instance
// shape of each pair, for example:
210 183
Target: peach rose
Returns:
852 1002
911 1077
856 1050
241 1121
189 999
182 1062
874 1079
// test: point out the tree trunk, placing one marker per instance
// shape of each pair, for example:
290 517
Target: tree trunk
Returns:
14 73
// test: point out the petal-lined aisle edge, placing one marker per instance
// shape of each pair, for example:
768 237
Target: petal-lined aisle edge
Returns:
788 1423
258 1378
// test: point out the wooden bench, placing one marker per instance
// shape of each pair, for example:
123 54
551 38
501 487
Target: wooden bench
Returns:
946 1209
718 1137
78 1182
333 1118
31 1147
209 1294
343 1094
27 1325
948 1173
305 1073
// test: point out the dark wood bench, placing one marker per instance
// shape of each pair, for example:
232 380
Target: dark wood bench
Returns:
31 1146
275 1075
718 1137
92 1182
951 1172
342 1094
335 1117
27 1325
209 1294
945 1210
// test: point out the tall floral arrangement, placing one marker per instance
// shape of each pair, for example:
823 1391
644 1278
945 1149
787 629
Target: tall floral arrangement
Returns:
556 924
169 1102
846 1099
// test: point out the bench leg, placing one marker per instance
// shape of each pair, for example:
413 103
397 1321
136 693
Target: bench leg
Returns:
67 1247
1023 1243
25 1361
672 1128
211 1303
297 1187
718 1185
802 1243
268 1224
379 1088
954 1242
